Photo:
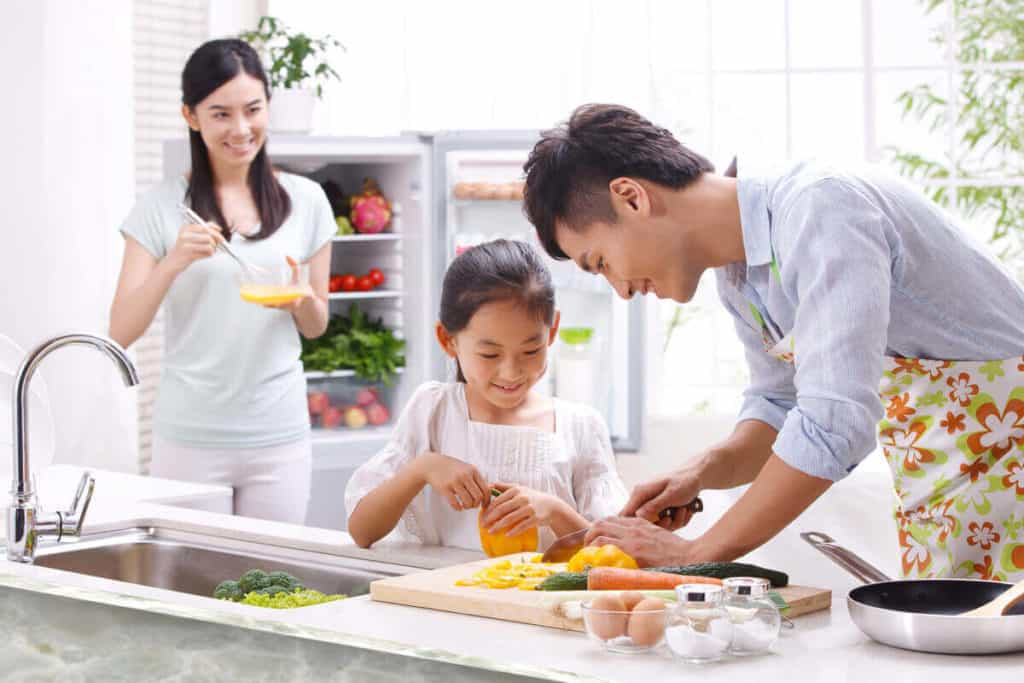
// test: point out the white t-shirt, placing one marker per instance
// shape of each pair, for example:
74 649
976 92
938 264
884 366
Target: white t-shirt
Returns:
231 376
574 463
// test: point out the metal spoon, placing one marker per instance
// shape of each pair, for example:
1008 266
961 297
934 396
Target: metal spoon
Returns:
249 268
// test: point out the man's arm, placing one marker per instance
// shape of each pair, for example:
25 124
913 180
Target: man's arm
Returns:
777 497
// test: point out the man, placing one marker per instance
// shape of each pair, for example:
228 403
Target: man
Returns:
867 317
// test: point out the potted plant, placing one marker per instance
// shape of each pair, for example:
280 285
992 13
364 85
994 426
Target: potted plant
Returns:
297 68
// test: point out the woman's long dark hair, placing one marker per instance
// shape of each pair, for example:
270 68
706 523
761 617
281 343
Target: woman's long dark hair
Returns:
502 270
213 64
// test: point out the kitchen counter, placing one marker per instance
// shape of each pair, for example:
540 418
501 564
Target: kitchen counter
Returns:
382 638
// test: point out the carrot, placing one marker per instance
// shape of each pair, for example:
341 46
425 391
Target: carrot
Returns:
616 578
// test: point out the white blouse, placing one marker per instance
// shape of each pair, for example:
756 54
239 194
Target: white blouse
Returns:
574 463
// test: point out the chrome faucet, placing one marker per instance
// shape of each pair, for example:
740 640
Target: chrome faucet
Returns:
26 523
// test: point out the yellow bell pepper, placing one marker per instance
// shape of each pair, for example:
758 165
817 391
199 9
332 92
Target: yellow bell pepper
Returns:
600 556
498 544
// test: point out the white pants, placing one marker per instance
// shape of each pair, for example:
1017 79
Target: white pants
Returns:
269 483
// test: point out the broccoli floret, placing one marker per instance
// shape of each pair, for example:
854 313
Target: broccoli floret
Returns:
284 579
228 590
253 580
273 589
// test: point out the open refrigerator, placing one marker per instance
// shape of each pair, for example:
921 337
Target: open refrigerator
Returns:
447 192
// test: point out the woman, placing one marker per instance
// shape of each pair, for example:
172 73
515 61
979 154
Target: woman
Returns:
231 405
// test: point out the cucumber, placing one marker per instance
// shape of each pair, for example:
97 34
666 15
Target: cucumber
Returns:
564 581
725 570
577 581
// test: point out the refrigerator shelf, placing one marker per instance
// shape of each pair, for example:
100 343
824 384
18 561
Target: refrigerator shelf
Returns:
379 237
336 374
345 435
352 296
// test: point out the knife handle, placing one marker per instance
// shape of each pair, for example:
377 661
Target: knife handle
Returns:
694 506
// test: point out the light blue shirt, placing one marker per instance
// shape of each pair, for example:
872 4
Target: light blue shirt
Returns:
868 267
231 374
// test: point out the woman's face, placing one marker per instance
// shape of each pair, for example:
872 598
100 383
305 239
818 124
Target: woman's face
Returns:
232 121
502 351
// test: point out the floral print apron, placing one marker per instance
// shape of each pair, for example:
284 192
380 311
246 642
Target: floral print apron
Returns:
953 435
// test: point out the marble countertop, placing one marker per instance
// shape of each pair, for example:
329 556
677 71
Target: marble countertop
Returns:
824 646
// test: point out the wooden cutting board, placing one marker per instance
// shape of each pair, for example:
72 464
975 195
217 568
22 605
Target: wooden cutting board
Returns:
437 590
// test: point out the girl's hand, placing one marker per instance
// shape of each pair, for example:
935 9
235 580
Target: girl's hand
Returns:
294 304
459 482
519 508
195 241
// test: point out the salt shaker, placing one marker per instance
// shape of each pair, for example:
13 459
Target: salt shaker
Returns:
700 629
755 618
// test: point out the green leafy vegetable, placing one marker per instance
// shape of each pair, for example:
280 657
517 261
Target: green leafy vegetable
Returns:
302 598
355 342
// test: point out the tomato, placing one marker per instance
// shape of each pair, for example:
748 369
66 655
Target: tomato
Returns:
334 284
376 276
348 282
364 283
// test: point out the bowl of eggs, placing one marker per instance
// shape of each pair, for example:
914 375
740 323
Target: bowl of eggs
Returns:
628 622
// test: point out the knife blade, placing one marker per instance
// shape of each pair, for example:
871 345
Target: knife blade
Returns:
564 547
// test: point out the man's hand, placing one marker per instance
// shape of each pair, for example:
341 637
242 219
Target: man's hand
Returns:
459 482
647 543
649 499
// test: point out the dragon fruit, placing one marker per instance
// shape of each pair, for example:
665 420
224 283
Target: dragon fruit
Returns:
370 211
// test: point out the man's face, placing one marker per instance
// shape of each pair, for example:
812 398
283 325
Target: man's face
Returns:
640 253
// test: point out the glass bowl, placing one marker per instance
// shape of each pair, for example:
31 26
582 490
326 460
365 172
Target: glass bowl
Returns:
624 631
274 285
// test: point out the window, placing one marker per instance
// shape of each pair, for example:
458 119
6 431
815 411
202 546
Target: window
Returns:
799 78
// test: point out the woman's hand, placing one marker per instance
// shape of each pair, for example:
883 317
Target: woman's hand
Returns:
307 292
195 241
459 482
519 508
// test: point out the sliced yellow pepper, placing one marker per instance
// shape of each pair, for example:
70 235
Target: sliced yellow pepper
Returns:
524 575
600 556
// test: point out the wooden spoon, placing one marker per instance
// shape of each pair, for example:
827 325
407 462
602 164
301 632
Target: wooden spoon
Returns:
999 605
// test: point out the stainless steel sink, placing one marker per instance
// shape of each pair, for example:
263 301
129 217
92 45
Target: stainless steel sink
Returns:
195 563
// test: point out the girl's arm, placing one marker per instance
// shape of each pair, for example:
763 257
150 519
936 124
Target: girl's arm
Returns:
379 511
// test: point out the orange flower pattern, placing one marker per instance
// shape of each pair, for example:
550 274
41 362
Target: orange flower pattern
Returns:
1002 430
953 422
898 409
961 389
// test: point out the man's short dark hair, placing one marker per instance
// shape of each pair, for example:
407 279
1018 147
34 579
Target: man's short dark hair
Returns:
569 169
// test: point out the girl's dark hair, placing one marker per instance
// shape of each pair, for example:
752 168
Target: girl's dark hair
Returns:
568 171
213 64
502 270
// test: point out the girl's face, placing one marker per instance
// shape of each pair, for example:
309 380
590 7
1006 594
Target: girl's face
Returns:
503 351
232 121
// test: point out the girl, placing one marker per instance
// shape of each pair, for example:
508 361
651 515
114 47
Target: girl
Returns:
231 405
551 460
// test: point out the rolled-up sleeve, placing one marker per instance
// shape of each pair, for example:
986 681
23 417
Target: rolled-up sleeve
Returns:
835 261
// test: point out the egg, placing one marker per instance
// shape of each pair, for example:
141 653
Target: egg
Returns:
631 599
647 622
608 617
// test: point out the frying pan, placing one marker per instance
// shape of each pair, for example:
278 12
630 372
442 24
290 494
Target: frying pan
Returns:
922 614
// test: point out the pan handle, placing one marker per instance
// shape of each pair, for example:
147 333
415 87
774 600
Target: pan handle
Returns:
866 572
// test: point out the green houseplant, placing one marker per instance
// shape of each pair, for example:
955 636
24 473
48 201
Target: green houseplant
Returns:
297 66
987 115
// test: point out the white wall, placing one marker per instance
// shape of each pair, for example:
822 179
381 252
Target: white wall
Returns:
65 184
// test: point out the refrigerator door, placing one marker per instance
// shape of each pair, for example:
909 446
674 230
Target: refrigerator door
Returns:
598 358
